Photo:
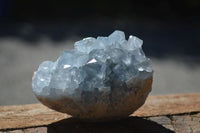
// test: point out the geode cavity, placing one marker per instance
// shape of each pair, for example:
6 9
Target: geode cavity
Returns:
102 78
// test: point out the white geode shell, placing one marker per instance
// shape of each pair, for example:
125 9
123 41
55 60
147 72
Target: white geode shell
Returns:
104 78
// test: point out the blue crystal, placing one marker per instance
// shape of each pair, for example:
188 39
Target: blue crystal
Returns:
42 76
103 42
86 45
94 65
117 37
72 58
132 43
96 75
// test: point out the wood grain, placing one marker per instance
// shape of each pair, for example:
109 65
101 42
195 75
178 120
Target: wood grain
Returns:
37 115
169 105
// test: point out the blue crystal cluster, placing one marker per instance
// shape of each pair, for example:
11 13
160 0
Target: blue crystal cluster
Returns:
96 64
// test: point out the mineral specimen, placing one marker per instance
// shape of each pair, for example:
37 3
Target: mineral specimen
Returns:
102 78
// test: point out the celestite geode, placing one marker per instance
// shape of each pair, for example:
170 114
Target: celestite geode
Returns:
102 78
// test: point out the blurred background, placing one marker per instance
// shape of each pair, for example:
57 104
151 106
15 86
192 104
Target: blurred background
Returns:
33 31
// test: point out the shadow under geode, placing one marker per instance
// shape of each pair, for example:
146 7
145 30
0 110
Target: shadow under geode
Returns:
129 125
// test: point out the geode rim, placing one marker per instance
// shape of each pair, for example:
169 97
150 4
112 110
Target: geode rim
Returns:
103 109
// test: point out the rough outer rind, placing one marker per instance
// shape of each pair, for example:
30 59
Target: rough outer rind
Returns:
114 104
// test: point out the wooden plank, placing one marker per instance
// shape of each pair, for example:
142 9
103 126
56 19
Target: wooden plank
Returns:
187 123
175 123
33 115
164 121
170 104
27 130
22 116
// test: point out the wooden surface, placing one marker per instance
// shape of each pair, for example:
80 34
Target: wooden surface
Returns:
167 113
